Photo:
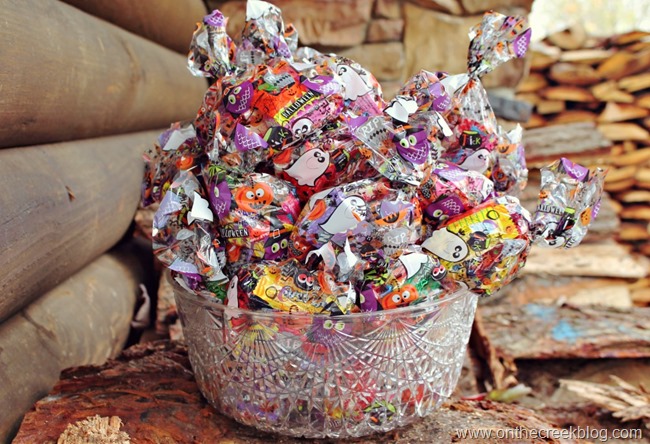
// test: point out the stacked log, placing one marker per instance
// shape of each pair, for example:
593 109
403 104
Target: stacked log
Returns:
604 84
81 99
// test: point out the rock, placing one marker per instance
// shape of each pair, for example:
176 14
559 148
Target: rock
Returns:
435 41
479 6
318 22
388 9
384 60
446 6
385 30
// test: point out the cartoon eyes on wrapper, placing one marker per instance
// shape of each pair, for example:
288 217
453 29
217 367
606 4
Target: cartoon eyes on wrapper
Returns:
329 324
301 127
255 198
304 281
238 99
277 246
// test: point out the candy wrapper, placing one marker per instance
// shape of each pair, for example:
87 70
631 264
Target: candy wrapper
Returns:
569 199
255 213
369 219
185 237
412 278
289 286
451 190
485 247
176 149
327 159
496 40
510 174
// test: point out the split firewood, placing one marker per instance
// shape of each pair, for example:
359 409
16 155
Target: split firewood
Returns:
533 83
535 121
643 175
555 289
574 74
637 212
628 37
634 196
574 116
646 123
642 184
619 112
638 46
550 106
531 98
599 259
643 100
615 296
540 60
570 93
623 173
572 38
624 64
610 92
574 138
626 402
548 331
624 131
635 83
633 232
638 157
640 296
586 56
621 185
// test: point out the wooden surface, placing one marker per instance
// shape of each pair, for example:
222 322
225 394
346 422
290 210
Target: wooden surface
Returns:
551 142
151 388
84 320
63 205
67 75
546 331
167 22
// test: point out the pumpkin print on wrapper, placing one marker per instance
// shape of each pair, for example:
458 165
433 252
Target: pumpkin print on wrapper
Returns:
262 211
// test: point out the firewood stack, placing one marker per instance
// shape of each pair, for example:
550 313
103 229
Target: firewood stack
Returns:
586 82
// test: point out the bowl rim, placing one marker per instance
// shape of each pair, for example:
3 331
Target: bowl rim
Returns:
449 298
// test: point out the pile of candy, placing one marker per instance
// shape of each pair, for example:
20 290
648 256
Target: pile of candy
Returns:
298 188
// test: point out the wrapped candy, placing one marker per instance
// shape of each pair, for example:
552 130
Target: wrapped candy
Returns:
327 159
569 199
255 213
412 278
510 174
185 237
369 218
496 40
484 247
451 190
176 149
289 286
301 183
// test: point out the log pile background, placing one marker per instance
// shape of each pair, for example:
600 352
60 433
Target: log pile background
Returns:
581 81
83 92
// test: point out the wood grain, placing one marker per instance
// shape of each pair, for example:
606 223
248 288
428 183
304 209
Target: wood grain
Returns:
68 75
64 205
169 23
84 320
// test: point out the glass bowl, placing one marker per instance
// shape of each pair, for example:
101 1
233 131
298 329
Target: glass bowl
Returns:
321 376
